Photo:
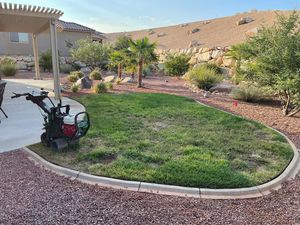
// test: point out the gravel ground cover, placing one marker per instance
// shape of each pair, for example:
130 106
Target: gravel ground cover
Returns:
32 195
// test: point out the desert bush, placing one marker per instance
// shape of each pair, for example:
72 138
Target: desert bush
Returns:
8 69
66 68
177 65
214 67
79 74
271 59
46 60
93 54
248 92
7 60
203 77
109 85
100 88
75 88
96 74
72 78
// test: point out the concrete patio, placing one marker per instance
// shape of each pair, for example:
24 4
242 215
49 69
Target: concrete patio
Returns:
24 123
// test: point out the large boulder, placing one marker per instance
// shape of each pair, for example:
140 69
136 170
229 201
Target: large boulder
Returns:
109 79
216 53
225 87
195 30
21 65
85 70
204 57
84 83
162 34
228 61
127 80
252 32
244 20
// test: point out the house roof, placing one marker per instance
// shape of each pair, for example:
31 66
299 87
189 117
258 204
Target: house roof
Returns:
70 26
75 27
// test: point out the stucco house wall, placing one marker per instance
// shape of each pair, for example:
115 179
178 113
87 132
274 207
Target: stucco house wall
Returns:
25 49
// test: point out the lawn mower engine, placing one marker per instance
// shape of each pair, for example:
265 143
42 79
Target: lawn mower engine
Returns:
61 128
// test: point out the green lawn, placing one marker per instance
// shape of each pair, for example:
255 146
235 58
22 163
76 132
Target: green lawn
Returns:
173 140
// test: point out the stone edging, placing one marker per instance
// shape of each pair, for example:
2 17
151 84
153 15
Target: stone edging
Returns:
237 193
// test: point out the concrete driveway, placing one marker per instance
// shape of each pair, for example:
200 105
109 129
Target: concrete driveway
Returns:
24 123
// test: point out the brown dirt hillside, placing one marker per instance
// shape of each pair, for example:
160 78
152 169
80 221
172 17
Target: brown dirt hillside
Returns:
218 32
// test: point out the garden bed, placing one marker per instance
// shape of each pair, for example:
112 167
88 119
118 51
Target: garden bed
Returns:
170 139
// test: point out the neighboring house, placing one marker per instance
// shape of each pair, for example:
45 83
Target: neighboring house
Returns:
20 44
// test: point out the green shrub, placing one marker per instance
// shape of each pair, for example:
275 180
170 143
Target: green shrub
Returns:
100 88
7 60
96 75
66 68
177 65
8 69
46 60
248 92
72 78
214 67
75 88
147 71
203 77
109 85
75 75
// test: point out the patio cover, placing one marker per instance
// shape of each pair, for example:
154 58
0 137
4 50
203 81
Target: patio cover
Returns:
33 20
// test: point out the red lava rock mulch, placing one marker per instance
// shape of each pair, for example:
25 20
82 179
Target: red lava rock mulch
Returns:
32 195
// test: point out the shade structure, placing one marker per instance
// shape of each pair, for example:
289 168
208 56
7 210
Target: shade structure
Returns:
33 20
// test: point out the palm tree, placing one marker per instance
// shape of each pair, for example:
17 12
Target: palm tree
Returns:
118 58
143 52
120 55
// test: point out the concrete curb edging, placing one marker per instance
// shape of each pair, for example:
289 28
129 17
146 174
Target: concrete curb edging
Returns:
239 193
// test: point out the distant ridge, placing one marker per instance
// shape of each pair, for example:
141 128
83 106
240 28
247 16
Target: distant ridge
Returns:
215 32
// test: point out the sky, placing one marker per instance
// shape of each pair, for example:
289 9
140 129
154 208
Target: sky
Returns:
127 15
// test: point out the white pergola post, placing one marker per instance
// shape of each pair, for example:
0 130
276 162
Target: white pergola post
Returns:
36 57
55 62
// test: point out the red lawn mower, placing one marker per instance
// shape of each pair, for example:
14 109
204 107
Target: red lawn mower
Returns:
61 128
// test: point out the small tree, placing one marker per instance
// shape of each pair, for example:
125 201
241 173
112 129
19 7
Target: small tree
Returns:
118 59
272 59
121 55
177 65
93 54
143 52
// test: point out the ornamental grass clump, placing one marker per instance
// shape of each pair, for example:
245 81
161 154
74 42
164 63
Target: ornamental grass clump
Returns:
96 75
100 88
203 77
248 92
8 67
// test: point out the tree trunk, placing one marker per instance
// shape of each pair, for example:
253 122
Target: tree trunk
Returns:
140 74
120 71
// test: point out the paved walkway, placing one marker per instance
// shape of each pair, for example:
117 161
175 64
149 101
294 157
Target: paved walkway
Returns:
31 195
24 123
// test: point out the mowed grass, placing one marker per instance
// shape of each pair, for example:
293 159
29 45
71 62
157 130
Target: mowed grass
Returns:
173 140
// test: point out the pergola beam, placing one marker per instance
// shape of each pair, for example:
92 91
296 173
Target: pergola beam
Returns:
36 57
29 10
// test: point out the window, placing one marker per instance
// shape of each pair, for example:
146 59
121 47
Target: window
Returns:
19 37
